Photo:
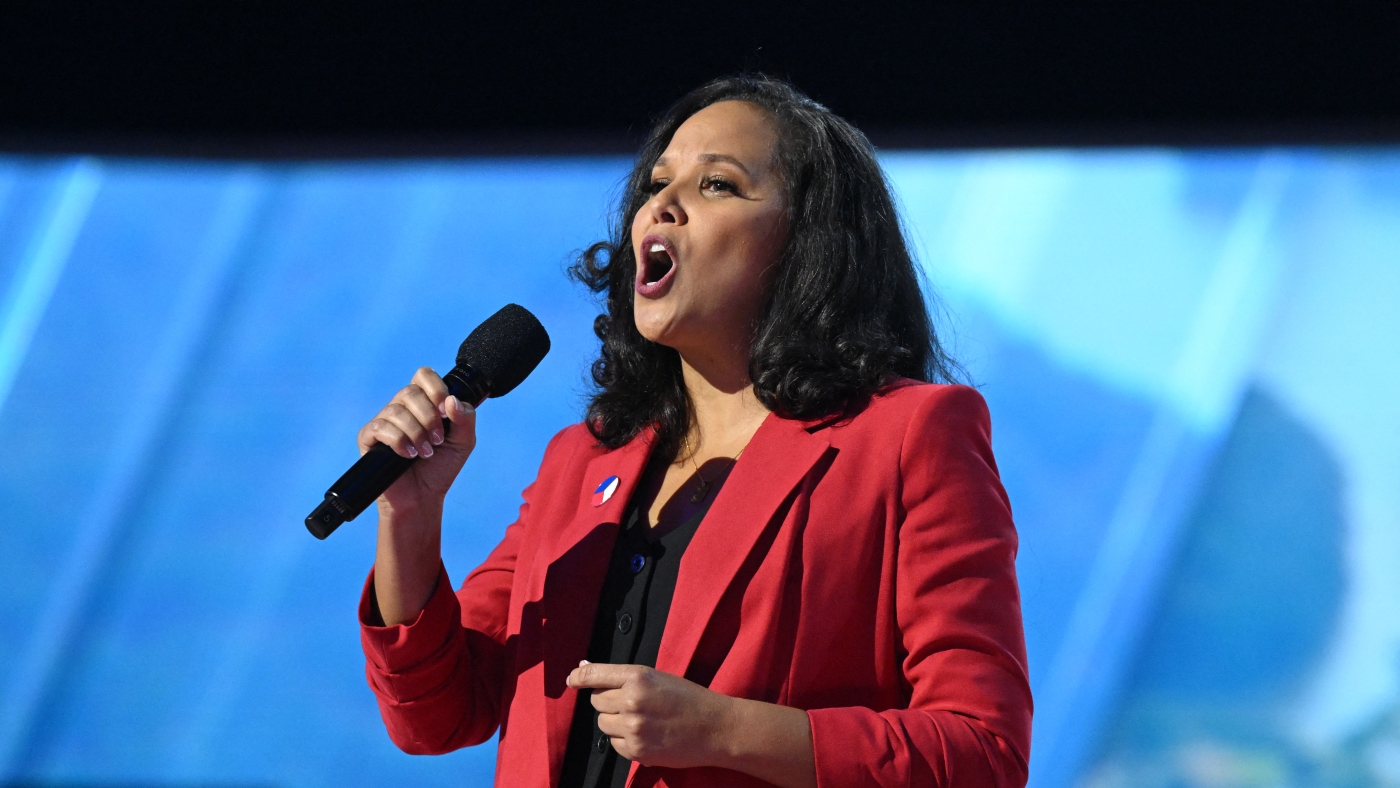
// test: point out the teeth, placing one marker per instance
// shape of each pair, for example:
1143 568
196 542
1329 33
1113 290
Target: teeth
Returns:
657 248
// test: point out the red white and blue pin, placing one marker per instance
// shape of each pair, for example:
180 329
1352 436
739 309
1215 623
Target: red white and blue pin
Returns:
605 490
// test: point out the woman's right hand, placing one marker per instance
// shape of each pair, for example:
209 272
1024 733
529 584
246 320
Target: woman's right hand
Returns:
412 425
409 551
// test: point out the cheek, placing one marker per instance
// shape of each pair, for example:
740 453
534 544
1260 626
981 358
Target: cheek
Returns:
765 240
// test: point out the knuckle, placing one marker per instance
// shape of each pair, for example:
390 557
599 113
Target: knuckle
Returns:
426 379
405 418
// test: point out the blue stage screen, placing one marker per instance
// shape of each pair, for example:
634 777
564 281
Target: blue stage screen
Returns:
1190 358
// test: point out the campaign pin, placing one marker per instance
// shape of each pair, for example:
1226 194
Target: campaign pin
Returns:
605 490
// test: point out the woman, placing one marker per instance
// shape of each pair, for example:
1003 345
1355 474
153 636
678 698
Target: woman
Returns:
771 553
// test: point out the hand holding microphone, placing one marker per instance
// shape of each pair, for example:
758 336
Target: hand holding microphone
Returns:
418 423
422 421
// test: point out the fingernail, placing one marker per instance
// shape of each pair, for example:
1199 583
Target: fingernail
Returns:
583 662
436 437
412 450
427 449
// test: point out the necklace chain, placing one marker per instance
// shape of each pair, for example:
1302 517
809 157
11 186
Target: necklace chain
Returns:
702 490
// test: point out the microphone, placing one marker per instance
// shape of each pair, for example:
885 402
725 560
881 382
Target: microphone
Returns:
494 358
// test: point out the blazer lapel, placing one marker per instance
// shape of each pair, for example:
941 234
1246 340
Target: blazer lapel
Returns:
578 562
777 459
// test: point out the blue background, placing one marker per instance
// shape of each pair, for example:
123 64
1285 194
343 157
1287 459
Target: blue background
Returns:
1190 357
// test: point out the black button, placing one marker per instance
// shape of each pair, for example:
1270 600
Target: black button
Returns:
624 623
602 744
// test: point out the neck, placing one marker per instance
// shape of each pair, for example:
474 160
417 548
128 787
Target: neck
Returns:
726 411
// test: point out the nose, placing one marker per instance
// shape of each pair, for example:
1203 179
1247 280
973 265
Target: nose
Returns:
664 207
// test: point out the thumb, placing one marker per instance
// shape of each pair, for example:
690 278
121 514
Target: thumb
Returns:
463 417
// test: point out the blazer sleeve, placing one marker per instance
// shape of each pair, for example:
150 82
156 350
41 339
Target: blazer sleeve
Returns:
958 614
441 678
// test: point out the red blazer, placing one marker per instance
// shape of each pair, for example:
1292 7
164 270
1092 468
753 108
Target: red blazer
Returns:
862 570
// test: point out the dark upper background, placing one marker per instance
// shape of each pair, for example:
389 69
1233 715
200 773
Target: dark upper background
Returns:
255 77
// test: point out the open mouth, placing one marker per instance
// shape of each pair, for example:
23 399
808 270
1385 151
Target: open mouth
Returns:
656 268
657 263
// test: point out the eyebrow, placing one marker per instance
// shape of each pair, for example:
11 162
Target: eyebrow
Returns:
711 158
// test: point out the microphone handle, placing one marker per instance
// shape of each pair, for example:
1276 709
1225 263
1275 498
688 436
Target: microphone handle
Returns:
380 467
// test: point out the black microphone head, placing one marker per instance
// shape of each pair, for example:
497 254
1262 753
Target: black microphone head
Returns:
505 348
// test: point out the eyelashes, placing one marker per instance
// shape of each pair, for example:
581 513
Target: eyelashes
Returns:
717 183
711 183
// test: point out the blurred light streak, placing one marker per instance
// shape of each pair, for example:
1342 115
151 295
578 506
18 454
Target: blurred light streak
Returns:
1086 672
170 367
40 269
403 273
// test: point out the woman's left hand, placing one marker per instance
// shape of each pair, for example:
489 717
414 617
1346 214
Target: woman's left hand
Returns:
656 718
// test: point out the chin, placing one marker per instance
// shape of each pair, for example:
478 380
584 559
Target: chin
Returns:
658 328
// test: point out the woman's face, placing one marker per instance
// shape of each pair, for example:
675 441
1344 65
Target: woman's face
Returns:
712 230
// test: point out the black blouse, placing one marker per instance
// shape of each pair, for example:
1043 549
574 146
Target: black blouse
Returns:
632 610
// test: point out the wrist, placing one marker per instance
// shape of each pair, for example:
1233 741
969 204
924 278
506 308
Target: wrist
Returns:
409 516
408 560
764 740
725 744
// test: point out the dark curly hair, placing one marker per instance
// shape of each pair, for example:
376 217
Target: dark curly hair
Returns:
845 314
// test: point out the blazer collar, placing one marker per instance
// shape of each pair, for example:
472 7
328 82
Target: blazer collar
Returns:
578 562
780 455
